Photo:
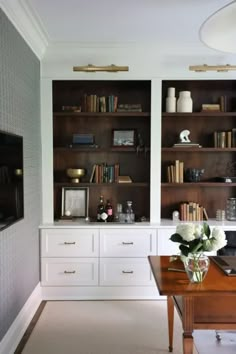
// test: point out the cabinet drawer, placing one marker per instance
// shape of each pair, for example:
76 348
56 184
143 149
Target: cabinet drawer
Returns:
125 272
69 243
165 247
127 242
69 271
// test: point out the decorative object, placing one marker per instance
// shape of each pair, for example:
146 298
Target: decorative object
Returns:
193 174
171 100
231 209
94 68
175 216
184 140
124 137
205 67
220 215
75 202
194 240
185 102
75 174
184 136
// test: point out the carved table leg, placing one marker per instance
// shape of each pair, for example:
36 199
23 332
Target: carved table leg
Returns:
187 320
170 311
187 343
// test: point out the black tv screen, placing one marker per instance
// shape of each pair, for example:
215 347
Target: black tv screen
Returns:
11 179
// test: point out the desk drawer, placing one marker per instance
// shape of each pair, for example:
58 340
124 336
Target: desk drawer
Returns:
127 242
69 271
69 243
125 272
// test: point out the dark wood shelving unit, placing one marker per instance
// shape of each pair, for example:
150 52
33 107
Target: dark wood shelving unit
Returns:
215 161
133 162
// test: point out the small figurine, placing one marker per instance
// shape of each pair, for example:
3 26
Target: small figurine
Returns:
183 136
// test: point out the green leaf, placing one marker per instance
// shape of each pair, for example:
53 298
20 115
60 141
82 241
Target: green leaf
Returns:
184 250
177 238
206 229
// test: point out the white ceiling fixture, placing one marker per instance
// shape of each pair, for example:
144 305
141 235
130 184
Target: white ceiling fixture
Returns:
219 30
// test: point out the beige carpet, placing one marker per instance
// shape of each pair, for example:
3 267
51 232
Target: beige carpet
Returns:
103 327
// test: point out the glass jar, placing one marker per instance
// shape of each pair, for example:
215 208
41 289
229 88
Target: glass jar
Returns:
129 215
231 209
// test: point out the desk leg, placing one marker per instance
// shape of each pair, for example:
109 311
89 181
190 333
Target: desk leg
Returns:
170 312
187 320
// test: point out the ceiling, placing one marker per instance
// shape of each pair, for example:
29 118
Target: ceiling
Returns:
111 21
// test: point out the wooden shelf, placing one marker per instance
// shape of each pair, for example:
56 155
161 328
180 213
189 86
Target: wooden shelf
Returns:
198 184
102 114
200 114
112 185
93 150
196 149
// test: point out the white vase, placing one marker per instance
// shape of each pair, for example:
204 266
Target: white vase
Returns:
171 100
185 102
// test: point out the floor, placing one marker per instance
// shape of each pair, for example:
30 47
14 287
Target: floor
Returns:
112 327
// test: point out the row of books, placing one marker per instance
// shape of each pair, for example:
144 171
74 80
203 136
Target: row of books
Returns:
94 103
191 211
104 173
225 139
175 172
216 107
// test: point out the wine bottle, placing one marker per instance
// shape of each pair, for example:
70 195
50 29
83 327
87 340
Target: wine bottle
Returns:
109 211
100 209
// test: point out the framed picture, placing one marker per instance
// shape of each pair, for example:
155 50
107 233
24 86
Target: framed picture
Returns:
75 202
123 137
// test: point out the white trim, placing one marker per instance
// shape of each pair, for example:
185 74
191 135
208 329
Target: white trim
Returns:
13 336
26 23
100 293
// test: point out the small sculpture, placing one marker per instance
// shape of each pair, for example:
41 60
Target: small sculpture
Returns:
183 136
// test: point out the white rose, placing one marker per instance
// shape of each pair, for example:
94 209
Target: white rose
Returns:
198 231
186 231
218 239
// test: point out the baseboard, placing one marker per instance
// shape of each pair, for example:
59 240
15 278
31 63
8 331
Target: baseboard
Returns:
13 336
100 293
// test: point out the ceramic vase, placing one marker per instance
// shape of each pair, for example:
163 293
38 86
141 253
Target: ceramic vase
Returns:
185 102
196 266
171 100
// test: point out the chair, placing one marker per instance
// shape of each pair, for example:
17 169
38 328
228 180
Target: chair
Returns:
228 250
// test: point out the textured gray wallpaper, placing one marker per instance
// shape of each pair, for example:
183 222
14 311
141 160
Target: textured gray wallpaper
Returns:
20 114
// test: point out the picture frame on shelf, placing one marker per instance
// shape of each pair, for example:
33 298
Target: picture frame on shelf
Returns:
123 137
75 202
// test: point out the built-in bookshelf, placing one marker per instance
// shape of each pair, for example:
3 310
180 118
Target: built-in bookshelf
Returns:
96 109
213 130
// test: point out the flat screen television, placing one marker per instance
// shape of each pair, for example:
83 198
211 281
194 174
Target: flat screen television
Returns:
11 179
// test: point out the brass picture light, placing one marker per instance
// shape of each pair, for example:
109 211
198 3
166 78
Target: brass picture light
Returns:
93 68
219 68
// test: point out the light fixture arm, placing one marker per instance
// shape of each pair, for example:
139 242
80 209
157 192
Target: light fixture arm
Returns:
219 68
94 68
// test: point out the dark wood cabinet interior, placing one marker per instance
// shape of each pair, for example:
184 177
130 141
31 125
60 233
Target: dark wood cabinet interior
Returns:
133 161
217 162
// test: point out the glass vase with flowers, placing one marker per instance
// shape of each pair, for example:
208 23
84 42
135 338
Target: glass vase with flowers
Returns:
194 240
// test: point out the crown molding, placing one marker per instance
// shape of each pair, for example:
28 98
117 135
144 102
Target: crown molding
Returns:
27 24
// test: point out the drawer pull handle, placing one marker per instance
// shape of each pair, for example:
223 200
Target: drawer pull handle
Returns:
69 243
69 272
127 243
127 271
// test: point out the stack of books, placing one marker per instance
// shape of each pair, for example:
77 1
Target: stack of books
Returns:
192 211
175 172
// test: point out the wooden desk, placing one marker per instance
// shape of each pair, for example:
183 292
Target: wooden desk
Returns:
208 305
